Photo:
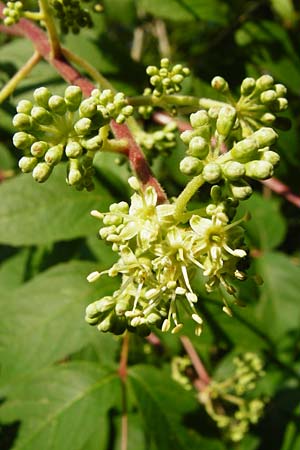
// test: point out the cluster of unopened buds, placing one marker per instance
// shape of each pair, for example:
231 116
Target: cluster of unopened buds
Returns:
157 142
72 16
12 12
54 127
228 402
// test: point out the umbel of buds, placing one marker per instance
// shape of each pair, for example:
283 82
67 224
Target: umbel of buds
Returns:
54 127
72 16
214 154
158 258
167 79
12 12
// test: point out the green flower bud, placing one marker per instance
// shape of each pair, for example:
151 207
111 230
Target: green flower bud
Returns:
41 115
41 172
265 137
268 118
198 147
281 104
152 70
88 108
73 149
212 172
191 166
272 157
74 174
233 170
245 150
186 136
199 118
264 82
106 324
220 84
240 190
280 90
23 140
259 170
39 148
94 144
83 126
54 154
268 96
24 106
27 164
73 97
226 120
216 193
247 86
165 63
41 96
57 104
22 121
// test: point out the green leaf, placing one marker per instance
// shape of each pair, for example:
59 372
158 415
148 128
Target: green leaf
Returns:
43 321
63 407
185 10
12 271
163 403
266 229
33 214
278 308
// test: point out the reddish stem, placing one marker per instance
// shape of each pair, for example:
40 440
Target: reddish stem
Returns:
40 40
203 377
273 183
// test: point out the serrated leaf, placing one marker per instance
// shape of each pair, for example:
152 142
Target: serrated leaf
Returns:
266 229
185 10
33 214
43 321
62 407
163 403
278 308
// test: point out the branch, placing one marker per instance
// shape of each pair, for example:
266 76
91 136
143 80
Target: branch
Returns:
203 379
273 183
39 39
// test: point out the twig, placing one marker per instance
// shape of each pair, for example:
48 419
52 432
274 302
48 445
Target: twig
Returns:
273 183
203 377
123 378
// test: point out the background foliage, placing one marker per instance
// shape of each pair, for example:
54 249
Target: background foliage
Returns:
59 377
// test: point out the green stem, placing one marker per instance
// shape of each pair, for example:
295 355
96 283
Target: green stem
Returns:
207 103
123 377
46 12
185 196
164 100
94 74
9 88
37 16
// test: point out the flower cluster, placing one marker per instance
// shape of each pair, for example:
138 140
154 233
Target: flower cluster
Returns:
260 102
12 12
213 152
167 79
72 16
54 126
158 259
158 142
227 402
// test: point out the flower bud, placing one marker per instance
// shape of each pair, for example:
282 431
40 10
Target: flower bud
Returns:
39 148
216 193
41 172
270 156
24 106
240 190
93 144
83 126
22 121
152 70
268 118
247 86
220 84
264 82
245 150
27 163
54 154
73 149
73 96
265 137
259 170
226 119
198 147
41 96
212 172
233 170
57 104
280 90
199 118
88 108
41 115
74 174
23 140
186 136
191 166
